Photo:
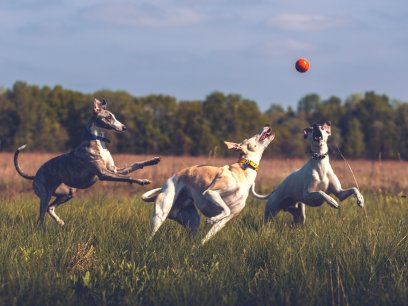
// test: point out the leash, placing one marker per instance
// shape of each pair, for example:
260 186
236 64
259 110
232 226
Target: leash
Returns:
348 165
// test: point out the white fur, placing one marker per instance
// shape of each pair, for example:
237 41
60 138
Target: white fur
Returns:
310 185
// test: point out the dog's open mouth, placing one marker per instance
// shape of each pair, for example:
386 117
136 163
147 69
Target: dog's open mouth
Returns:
267 131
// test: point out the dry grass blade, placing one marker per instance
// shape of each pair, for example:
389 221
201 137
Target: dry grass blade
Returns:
83 259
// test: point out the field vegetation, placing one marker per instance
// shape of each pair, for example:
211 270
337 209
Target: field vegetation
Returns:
103 255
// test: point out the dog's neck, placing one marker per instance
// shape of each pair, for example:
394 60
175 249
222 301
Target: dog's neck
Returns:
246 163
250 162
97 133
319 151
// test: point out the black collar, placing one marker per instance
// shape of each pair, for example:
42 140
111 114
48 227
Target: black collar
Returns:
319 156
87 135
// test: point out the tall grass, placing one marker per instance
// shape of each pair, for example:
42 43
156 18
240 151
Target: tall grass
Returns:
103 256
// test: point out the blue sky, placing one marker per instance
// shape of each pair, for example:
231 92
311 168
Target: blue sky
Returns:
190 48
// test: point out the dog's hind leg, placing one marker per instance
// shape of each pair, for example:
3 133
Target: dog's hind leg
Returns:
163 205
298 213
62 195
216 228
273 206
186 214
45 197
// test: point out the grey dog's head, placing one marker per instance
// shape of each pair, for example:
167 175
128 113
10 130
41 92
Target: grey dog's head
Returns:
104 119
318 132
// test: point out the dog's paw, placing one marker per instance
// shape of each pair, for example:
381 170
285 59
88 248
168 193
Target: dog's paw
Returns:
360 200
152 162
61 222
155 160
210 221
143 182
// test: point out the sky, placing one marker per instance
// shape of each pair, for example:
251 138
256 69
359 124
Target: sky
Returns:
191 48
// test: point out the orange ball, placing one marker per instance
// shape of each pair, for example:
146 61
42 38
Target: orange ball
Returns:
302 65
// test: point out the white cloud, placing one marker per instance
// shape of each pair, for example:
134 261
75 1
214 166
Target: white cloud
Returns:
144 15
301 22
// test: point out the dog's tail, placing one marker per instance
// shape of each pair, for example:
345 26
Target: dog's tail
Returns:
19 171
151 195
260 196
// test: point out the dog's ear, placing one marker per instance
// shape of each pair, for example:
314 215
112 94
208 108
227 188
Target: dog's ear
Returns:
327 127
236 147
306 132
232 145
99 106
104 104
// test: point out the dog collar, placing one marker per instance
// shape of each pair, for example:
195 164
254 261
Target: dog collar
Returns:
319 156
246 163
89 136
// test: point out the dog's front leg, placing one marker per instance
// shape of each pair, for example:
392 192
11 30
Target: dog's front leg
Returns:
343 194
140 165
105 175
215 228
215 198
316 198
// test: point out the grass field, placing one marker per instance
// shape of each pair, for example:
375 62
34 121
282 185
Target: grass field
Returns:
103 257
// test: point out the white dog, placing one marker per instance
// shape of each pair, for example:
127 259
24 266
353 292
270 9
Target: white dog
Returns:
311 184
219 193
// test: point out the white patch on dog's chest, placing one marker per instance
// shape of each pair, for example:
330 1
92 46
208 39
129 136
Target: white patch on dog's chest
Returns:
106 156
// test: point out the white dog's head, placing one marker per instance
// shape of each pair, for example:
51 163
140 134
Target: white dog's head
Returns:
253 147
317 134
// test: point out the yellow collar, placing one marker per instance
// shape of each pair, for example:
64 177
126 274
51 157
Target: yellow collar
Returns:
246 163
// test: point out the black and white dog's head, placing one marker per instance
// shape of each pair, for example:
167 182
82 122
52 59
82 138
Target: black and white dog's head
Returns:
318 133
104 119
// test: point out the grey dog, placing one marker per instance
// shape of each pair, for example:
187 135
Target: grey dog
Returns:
82 167
311 184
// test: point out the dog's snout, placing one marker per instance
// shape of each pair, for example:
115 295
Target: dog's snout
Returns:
317 133
124 128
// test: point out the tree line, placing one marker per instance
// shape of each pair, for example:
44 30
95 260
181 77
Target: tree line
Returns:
365 125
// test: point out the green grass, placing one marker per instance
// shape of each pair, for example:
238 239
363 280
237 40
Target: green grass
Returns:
103 256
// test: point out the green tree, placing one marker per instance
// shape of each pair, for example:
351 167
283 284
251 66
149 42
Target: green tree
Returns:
9 122
402 124
193 134
329 110
308 105
378 122
354 142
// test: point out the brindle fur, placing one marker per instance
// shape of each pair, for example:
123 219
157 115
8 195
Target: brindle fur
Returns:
82 167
